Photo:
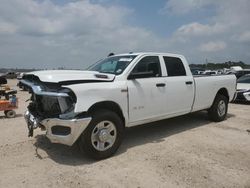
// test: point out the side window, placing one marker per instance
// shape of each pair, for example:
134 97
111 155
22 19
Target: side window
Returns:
174 66
148 64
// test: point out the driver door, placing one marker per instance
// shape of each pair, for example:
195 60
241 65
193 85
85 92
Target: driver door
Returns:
146 93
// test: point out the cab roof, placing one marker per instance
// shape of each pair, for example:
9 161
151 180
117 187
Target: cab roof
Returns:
148 53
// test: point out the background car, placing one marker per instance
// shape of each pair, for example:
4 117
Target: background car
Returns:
10 75
243 88
241 73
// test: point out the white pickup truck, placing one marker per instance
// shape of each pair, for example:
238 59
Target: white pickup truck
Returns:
93 107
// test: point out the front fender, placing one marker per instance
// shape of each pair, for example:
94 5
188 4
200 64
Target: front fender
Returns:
90 94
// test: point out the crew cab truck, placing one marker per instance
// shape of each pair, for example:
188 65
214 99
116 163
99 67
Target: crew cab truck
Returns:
93 107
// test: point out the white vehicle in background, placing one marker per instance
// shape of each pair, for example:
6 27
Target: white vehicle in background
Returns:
243 88
235 68
93 107
209 72
200 72
20 75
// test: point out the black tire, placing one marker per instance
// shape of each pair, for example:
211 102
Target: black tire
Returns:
214 111
85 143
10 113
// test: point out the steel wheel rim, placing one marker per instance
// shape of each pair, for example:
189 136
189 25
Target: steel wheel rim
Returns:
103 135
221 108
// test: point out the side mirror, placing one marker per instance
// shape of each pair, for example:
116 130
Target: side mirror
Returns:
136 75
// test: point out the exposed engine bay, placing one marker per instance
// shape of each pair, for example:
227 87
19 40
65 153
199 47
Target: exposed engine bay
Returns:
53 102
50 105
49 100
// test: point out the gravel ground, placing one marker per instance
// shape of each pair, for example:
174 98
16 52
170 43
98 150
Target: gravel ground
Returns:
189 151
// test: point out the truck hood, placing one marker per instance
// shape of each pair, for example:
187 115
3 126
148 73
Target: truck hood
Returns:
243 86
71 76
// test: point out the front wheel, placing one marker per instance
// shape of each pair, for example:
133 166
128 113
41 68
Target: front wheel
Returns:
218 110
103 136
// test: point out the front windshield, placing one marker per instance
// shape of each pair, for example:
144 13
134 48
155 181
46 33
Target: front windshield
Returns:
113 65
244 79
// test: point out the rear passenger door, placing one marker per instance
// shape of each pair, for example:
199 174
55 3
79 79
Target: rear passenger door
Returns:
179 87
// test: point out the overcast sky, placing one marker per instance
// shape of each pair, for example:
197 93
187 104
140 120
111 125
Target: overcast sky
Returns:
76 33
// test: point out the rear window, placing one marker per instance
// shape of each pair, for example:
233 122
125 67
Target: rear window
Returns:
174 66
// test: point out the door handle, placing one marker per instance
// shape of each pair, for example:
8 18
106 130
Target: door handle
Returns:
160 85
189 82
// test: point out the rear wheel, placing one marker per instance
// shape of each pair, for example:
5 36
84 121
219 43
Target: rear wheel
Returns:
218 110
103 136
10 113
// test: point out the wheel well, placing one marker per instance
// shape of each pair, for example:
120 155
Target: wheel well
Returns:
109 105
224 92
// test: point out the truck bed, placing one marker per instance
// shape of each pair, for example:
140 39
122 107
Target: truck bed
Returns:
207 86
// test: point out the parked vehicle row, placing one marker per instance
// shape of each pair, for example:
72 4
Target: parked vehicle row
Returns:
12 75
236 70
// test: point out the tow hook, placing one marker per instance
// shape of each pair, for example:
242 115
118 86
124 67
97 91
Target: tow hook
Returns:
31 130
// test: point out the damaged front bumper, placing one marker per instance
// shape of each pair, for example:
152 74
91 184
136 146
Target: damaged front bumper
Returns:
61 125
63 131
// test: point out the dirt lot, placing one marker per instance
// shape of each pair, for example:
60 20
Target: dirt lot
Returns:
189 151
